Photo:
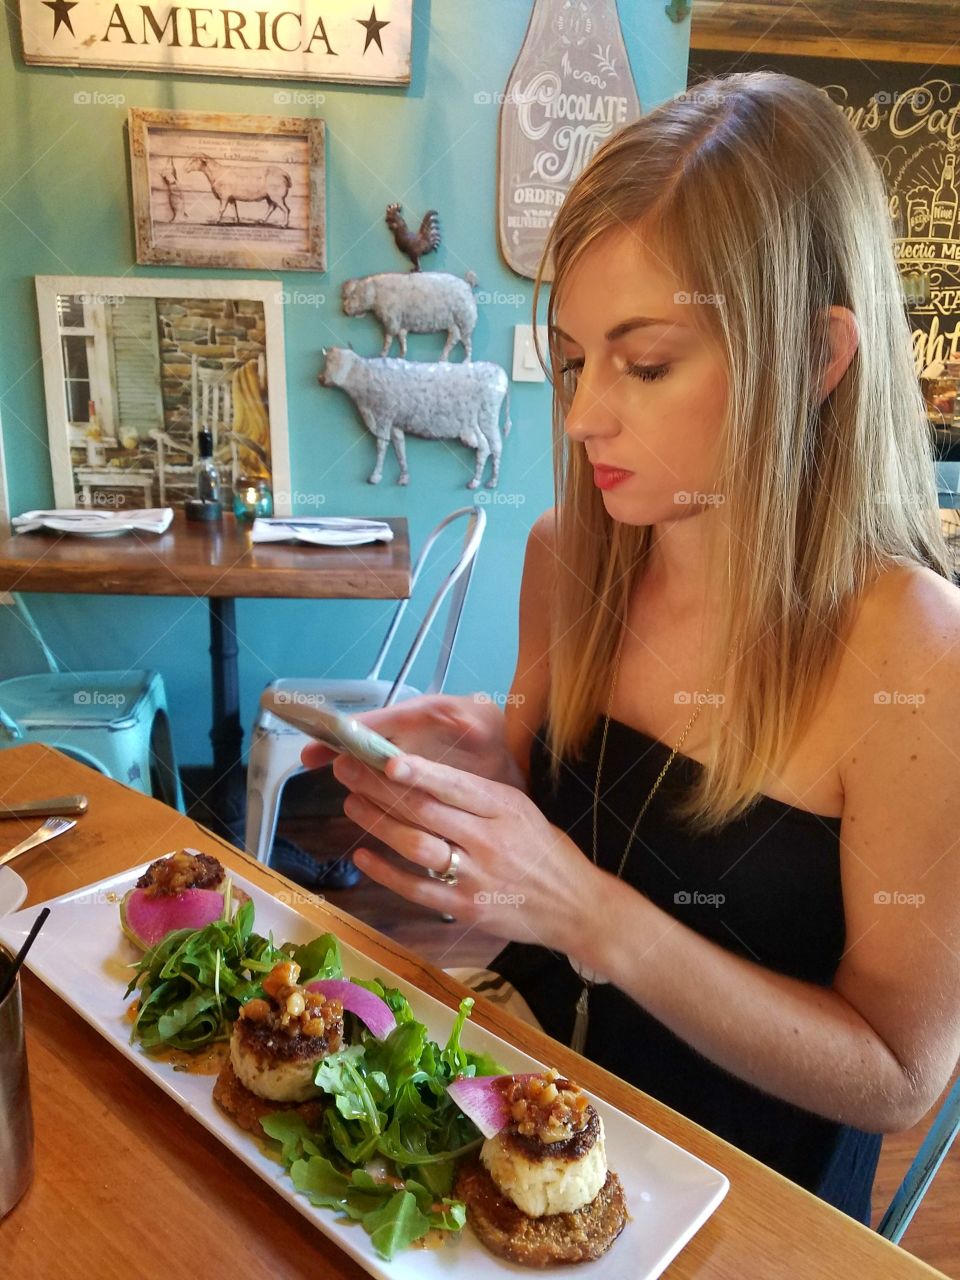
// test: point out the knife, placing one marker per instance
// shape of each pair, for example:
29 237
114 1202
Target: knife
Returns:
54 807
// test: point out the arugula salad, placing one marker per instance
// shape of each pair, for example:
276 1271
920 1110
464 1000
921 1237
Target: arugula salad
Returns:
382 1148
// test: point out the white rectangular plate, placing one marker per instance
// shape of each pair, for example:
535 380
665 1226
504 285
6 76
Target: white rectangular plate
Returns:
82 955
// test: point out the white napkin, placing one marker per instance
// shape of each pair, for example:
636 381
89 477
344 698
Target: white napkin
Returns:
98 523
322 531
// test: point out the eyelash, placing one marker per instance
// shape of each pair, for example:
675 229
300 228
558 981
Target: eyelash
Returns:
645 372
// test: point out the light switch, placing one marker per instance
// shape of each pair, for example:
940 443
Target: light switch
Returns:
526 366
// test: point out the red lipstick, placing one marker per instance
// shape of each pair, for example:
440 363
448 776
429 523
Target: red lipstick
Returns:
609 477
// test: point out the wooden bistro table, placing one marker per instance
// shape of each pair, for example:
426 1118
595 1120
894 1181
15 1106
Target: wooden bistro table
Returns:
219 562
126 1185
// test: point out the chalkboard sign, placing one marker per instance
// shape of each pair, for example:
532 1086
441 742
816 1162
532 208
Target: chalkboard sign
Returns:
909 116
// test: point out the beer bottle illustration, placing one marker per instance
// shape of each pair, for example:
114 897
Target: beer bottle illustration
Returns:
943 213
570 89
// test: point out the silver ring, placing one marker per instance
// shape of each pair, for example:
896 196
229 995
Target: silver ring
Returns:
449 874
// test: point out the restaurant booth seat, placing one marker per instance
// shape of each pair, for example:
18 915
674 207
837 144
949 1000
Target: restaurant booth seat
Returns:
114 721
275 746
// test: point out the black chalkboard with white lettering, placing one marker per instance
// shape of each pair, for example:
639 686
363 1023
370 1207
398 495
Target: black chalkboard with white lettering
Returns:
909 116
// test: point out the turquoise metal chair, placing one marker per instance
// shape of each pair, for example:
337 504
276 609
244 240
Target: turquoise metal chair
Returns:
926 1162
114 721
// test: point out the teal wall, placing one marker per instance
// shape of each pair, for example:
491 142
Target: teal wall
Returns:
65 210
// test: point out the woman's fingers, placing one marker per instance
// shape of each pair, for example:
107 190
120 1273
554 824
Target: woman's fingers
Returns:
315 755
410 805
420 889
454 787
371 783
423 848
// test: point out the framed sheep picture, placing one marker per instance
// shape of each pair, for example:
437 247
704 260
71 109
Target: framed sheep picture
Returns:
214 190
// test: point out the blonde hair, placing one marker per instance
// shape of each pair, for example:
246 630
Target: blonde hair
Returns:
756 189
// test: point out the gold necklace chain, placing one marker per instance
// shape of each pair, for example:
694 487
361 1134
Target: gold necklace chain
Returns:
588 977
657 781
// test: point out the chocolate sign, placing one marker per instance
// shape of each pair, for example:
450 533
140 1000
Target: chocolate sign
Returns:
570 89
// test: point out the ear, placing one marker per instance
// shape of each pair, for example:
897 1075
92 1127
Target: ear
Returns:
843 337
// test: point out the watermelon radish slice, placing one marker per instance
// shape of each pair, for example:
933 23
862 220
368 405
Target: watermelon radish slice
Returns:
147 918
374 1013
481 1100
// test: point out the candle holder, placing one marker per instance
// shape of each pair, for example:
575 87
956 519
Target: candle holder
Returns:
252 498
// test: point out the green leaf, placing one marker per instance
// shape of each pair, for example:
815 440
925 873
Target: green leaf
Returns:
319 958
396 1225
290 1130
320 1182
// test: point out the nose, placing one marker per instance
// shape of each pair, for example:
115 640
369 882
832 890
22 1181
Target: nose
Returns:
591 413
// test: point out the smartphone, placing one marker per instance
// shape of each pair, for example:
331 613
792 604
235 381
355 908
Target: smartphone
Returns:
328 726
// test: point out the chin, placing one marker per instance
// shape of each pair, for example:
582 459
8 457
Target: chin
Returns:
630 510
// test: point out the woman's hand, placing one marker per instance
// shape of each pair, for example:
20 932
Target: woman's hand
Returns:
518 876
463 732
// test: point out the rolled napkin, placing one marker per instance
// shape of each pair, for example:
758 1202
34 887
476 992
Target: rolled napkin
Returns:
322 531
82 520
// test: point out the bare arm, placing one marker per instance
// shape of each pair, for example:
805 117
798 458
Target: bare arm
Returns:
876 1048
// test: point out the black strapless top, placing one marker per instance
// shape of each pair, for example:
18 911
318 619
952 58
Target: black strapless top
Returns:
766 887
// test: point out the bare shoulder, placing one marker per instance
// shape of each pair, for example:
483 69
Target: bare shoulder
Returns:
907 617
543 534
539 565
527 703
902 652
539 568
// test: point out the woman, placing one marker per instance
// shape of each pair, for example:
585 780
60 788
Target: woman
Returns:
744 561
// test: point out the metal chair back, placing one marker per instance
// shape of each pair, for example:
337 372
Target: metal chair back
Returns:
456 581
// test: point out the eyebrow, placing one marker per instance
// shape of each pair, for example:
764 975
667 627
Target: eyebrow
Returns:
625 326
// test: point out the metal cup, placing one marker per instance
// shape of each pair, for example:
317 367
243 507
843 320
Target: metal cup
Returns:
16 1118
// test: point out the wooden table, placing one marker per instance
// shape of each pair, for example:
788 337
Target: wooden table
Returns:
128 1185
217 561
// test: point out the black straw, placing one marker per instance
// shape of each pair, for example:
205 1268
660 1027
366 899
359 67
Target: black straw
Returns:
6 983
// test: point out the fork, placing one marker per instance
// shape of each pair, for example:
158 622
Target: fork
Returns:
52 827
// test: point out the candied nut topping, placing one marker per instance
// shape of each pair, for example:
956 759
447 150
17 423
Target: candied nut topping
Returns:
546 1106
186 869
293 1009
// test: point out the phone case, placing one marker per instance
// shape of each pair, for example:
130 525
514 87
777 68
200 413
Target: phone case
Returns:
341 732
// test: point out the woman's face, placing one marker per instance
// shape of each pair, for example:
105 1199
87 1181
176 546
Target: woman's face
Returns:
650 389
